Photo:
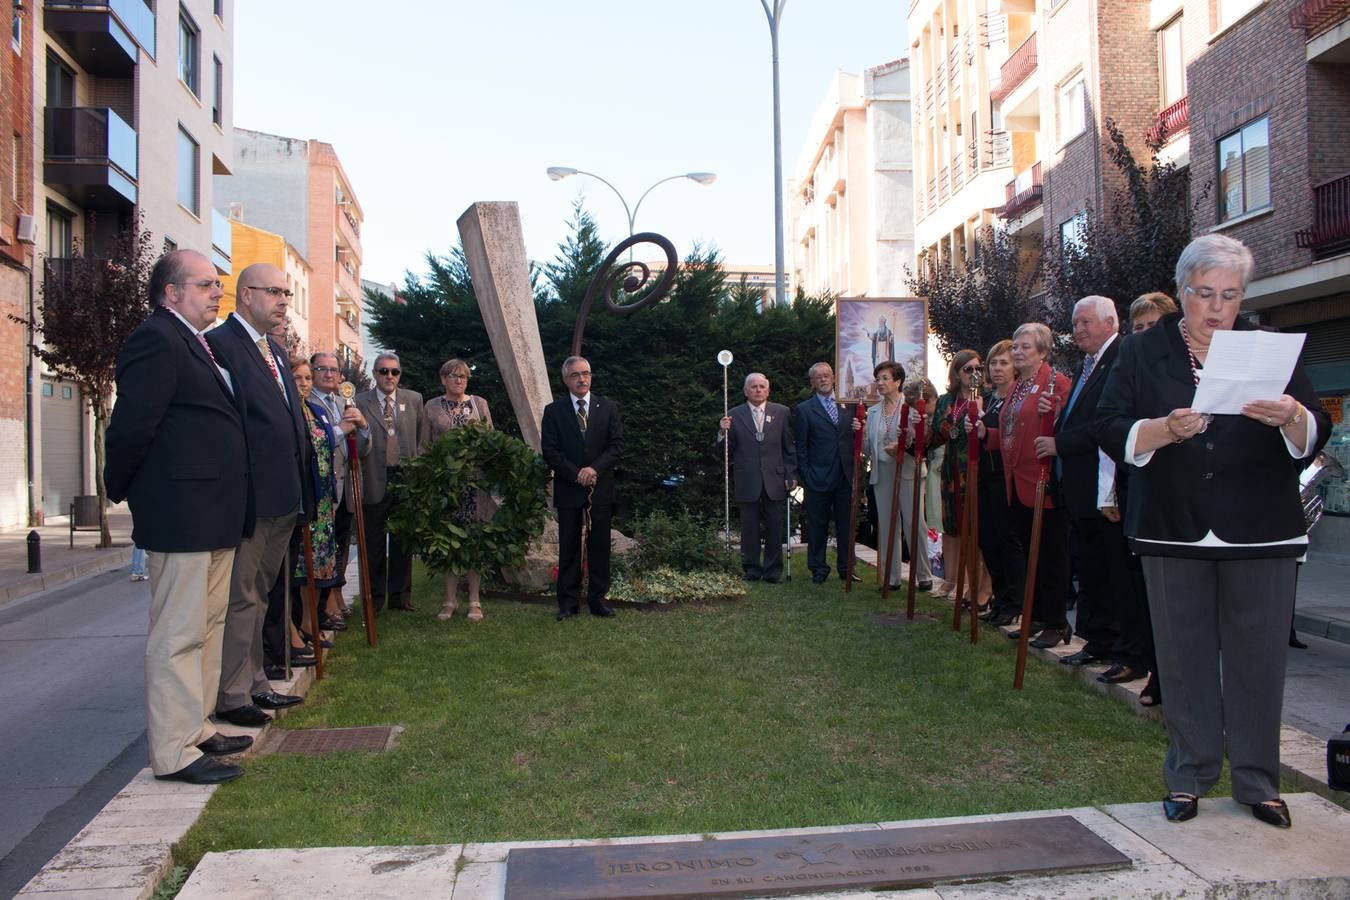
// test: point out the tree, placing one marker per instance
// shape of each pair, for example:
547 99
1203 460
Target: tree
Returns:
1134 247
980 304
90 306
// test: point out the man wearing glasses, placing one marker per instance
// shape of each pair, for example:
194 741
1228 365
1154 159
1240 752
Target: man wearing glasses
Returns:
327 377
176 453
395 417
282 489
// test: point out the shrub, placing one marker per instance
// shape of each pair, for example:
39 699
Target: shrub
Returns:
680 542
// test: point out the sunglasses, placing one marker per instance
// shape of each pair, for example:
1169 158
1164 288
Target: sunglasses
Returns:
971 369
387 371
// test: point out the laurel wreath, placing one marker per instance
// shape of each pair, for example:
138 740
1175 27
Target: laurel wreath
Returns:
471 458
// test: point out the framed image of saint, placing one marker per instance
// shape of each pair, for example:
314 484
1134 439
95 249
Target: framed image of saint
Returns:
869 330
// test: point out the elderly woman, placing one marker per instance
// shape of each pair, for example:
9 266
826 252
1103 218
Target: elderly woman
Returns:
1001 553
1024 459
1147 309
953 412
1218 552
881 444
455 409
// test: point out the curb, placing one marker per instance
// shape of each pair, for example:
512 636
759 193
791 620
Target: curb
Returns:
1323 627
106 561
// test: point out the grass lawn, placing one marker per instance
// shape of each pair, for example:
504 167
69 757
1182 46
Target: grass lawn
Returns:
788 708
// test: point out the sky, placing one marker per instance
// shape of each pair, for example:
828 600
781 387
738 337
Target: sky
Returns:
436 104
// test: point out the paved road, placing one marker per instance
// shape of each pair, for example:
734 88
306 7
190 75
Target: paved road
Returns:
72 724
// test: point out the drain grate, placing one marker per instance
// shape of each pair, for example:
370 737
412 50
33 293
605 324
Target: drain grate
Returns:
322 741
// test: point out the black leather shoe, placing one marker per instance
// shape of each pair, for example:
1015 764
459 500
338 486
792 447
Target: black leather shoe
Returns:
250 716
1081 658
204 771
818 578
602 612
767 579
924 585
1273 812
220 744
332 623
1051 637
1295 642
273 700
1119 675
1180 807
274 673
564 614
998 620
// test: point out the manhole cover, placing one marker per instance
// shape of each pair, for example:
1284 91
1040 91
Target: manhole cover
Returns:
321 741
895 619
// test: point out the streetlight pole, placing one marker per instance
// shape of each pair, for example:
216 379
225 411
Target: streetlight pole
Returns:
775 16
558 173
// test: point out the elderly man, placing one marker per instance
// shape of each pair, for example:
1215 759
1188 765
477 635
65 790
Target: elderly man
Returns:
327 377
764 463
581 438
176 453
396 417
824 445
279 476
1087 479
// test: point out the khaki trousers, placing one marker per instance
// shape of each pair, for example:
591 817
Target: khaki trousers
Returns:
257 564
188 596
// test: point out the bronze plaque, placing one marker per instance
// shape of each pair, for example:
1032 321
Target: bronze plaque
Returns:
910 857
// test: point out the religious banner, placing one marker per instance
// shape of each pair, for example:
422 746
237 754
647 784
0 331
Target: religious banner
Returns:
872 330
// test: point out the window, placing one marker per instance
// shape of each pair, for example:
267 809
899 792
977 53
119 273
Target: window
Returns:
218 7
16 169
60 82
189 173
66 392
170 245
1073 232
1244 169
189 37
218 91
16 32
60 233
1171 63
1072 102
48 389
1232 10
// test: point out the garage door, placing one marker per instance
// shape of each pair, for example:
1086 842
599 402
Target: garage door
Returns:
62 446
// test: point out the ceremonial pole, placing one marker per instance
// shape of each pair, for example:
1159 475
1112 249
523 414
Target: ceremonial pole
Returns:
725 358
860 416
1034 551
964 494
919 407
348 390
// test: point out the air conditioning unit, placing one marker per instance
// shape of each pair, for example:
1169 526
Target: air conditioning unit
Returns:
26 233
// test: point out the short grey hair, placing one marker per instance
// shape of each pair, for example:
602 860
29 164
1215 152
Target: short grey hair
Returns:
388 354
572 359
1104 307
811 372
1214 251
756 375
1040 334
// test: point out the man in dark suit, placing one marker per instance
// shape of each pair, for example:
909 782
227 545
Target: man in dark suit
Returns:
824 444
1087 481
764 463
395 417
581 439
176 453
282 489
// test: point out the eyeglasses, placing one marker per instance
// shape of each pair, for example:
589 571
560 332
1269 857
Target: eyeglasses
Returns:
388 371
327 370
270 291
1208 294
205 284
583 374
971 369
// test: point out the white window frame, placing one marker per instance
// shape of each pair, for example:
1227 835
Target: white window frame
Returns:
1071 114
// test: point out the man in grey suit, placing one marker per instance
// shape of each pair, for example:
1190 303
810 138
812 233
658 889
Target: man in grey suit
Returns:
327 376
395 417
765 465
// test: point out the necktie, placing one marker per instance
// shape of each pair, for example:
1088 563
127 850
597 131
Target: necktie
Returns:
1088 362
391 444
331 402
271 365
581 415
833 411
201 339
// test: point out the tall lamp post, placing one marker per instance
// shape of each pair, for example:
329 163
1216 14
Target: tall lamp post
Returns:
775 16
558 173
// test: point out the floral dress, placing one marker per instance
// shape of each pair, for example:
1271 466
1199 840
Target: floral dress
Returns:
952 412
322 536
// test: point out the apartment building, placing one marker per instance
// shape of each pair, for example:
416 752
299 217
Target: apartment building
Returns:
251 245
298 189
851 199
131 114
1275 144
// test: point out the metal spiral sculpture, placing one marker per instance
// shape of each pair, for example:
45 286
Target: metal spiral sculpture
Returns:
609 279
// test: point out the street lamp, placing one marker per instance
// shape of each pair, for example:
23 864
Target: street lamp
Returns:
775 16
558 173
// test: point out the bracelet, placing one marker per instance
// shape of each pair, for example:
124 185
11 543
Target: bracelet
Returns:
1298 417
1167 426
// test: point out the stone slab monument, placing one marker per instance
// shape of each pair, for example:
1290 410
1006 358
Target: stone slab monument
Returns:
494 246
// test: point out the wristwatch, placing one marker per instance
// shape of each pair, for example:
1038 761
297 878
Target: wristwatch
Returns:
1298 416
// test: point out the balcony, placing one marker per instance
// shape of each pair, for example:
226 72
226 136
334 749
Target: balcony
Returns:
1330 232
347 228
1020 64
1000 149
347 329
1317 16
1023 194
90 156
347 280
1171 122
103 36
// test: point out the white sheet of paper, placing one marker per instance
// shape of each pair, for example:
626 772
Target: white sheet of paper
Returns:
1243 366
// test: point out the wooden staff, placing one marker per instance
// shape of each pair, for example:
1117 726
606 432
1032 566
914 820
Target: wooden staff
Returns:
860 416
363 566
895 492
310 597
1034 551
918 498
966 498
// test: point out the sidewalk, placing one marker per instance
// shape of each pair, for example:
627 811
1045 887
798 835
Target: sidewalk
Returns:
60 563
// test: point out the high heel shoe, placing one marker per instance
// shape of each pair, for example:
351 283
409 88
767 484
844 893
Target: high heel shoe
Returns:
1050 637
1151 695
475 611
448 609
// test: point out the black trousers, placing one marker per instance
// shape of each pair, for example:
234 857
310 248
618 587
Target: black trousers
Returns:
1052 565
821 508
1103 573
391 572
343 524
569 558
762 524
274 633
1002 554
